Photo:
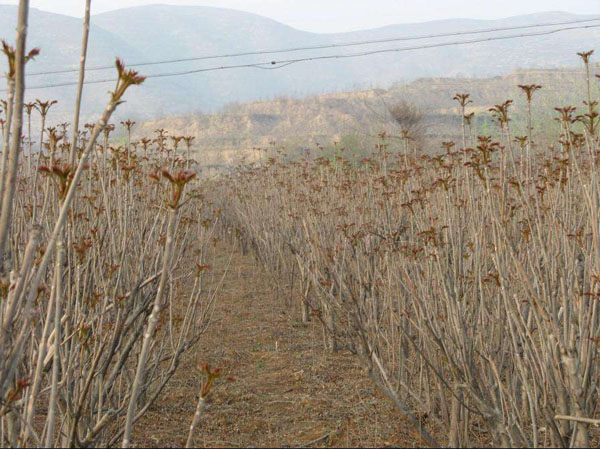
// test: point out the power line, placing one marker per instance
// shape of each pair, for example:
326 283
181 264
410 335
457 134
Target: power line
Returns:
273 65
320 47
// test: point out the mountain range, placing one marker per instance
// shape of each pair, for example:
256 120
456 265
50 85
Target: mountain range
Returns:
161 32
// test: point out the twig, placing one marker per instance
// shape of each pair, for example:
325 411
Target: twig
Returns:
318 440
594 422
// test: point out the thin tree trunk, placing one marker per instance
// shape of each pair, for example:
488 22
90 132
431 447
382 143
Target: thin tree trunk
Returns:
57 340
35 175
152 322
6 136
454 435
29 140
17 127
199 409
84 44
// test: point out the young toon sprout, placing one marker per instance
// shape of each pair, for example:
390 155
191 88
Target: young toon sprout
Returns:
208 378
178 182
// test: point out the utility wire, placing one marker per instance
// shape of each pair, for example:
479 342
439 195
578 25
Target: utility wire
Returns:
272 65
320 47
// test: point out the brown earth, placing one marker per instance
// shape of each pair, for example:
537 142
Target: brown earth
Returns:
287 390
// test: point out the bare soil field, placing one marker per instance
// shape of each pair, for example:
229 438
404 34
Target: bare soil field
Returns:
286 388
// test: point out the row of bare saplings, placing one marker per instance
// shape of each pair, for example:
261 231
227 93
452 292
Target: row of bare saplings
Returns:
105 281
467 283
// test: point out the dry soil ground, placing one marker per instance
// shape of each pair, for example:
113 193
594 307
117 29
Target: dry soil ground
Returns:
287 389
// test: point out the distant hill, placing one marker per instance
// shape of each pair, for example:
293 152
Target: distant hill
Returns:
159 32
354 119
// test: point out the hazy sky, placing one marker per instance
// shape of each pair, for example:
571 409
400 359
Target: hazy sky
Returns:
347 15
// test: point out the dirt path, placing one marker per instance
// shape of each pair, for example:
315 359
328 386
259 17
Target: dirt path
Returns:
288 391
